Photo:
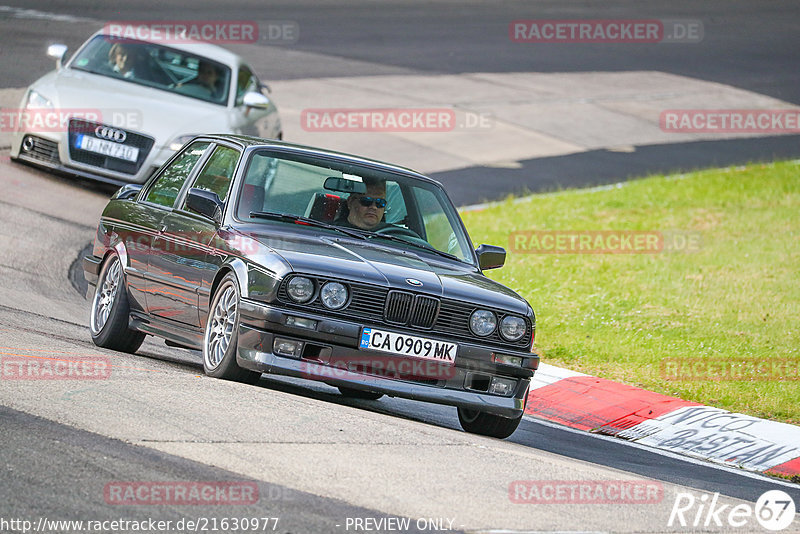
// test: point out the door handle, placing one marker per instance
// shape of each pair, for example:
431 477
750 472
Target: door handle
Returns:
163 229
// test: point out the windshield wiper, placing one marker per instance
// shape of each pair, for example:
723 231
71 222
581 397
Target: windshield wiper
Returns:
304 220
426 247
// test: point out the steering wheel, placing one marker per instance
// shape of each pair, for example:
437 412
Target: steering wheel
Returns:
398 231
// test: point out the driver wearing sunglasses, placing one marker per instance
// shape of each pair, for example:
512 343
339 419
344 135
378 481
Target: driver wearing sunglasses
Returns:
366 209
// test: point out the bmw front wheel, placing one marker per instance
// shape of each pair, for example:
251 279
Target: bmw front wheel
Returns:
221 335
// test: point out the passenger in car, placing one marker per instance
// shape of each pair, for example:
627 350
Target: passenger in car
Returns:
207 83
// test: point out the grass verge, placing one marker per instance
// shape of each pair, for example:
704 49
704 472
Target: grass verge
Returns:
713 317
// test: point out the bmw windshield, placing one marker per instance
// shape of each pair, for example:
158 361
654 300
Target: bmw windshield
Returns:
156 66
410 212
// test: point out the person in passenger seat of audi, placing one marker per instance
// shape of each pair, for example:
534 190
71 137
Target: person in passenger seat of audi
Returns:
206 84
366 210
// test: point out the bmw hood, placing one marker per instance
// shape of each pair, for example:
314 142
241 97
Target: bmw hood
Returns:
378 262
126 105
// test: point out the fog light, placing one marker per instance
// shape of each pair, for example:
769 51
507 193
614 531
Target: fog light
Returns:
507 359
28 143
502 386
301 322
287 347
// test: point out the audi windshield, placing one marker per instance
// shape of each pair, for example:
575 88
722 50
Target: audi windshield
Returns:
155 66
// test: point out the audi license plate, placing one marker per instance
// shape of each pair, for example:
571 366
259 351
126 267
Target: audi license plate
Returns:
107 148
418 347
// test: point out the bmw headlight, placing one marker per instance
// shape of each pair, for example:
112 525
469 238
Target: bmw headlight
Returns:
482 322
37 101
333 295
300 289
512 328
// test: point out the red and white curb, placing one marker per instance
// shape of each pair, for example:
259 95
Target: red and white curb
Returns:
598 405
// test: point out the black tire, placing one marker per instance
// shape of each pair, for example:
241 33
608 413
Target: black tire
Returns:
487 424
108 322
359 393
222 333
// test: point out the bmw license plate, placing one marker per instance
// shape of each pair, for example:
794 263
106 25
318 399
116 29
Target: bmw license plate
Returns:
418 347
107 148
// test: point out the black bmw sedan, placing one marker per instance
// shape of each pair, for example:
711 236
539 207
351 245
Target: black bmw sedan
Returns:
277 258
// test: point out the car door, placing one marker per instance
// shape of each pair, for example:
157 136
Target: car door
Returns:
182 245
159 199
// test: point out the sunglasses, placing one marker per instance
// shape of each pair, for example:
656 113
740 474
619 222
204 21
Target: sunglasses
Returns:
368 201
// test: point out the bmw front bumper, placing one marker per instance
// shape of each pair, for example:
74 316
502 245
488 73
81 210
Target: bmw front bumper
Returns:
330 354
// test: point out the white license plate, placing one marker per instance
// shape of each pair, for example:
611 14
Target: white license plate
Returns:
418 347
107 148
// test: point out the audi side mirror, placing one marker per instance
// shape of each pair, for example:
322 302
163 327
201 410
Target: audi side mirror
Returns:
57 52
255 100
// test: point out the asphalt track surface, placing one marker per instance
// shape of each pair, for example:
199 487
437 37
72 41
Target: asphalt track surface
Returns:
60 444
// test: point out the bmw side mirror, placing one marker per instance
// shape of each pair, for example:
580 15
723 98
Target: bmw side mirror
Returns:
490 256
57 52
127 192
253 99
205 203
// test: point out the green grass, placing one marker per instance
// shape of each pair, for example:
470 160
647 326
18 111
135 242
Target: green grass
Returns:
617 316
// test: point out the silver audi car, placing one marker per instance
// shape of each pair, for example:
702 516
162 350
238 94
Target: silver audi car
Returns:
118 109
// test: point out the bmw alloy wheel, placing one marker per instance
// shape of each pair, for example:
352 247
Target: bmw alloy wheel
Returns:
220 331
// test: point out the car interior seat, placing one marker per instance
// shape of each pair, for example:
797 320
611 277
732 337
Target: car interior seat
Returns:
252 199
324 207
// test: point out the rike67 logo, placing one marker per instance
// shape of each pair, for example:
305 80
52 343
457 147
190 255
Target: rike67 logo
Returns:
774 510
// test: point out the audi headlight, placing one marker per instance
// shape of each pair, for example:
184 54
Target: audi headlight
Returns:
179 141
512 328
333 295
300 289
37 101
482 322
